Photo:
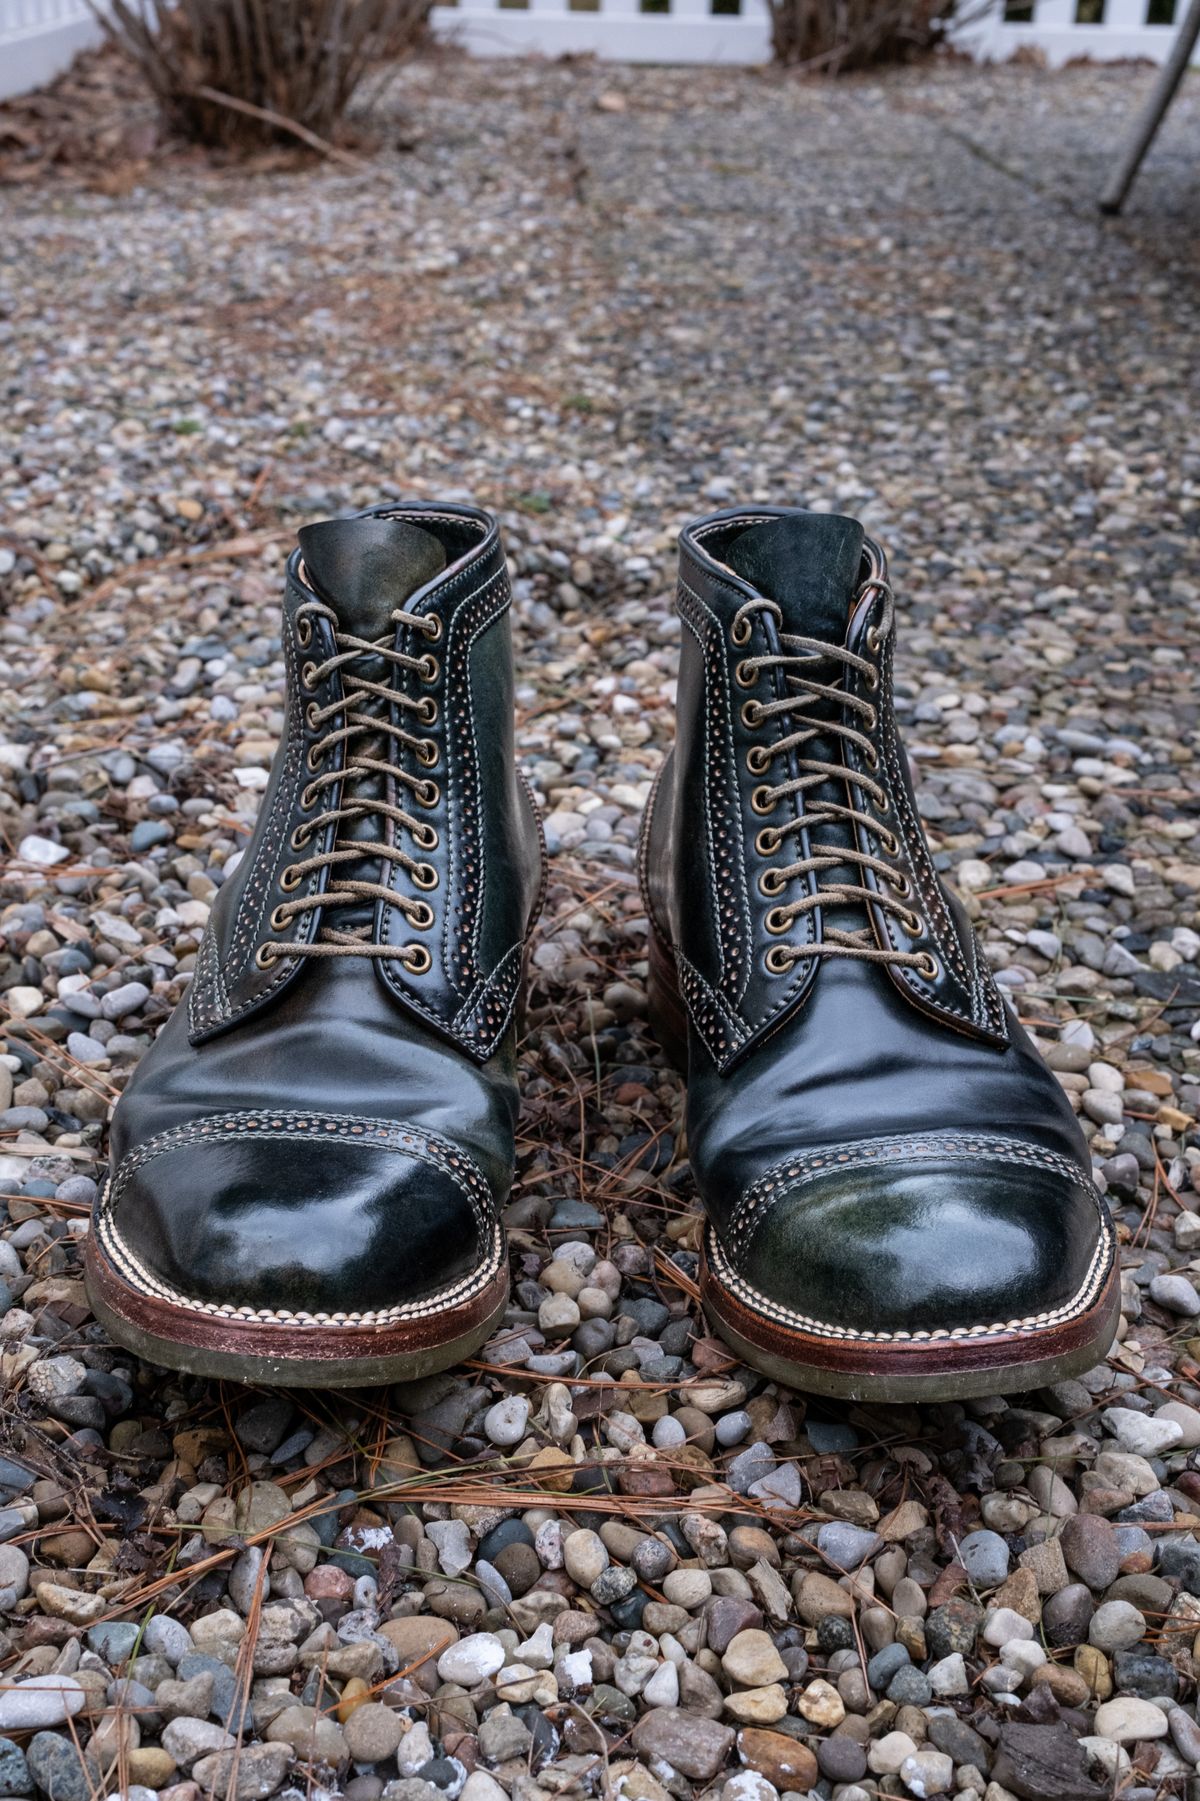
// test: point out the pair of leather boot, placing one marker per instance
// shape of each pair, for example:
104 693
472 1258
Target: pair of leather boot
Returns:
308 1168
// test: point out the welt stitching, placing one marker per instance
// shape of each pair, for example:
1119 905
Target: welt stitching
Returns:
1080 1301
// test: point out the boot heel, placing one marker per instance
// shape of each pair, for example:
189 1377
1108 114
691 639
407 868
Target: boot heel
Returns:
667 1013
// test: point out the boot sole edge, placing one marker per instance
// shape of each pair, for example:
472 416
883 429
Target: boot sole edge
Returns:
282 1354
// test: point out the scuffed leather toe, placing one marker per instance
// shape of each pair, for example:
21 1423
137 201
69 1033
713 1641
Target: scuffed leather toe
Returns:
241 1210
886 1239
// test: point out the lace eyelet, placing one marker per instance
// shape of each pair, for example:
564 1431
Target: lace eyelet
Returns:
310 713
777 921
885 804
265 956
308 798
928 967
301 836
767 841
740 631
744 676
427 794
873 640
758 759
430 668
872 756
426 836
779 960
416 959
304 632
752 714
759 800
873 681
890 843
308 676
279 920
427 710
911 926
432 627
873 721
428 754
314 759
900 883
420 916
425 876
290 878
771 883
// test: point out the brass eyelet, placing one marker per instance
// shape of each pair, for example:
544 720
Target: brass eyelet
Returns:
873 721
425 876
873 680
901 884
311 712
290 878
740 631
911 925
430 668
428 754
432 627
427 794
264 956
758 759
304 632
779 960
301 836
885 804
416 959
928 967
744 676
308 797
420 916
314 759
308 676
279 920
771 882
872 756
777 921
767 841
426 836
427 710
752 714
873 640
759 800
890 843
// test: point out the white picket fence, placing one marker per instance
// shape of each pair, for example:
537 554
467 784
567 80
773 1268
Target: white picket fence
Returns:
39 37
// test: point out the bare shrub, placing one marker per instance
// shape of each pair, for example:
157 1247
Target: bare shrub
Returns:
249 72
839 35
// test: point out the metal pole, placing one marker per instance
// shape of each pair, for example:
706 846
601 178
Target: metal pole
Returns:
1122 178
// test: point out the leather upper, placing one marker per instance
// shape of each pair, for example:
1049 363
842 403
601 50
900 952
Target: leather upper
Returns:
335 1134
983 1209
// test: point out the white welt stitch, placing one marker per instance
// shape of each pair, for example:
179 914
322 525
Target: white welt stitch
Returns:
1080 1301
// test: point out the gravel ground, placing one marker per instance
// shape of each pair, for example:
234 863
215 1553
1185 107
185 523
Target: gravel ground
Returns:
600 301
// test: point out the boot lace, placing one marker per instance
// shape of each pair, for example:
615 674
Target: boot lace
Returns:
804 662
353 719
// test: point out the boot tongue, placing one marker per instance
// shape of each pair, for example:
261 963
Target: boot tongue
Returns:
366 568
808 564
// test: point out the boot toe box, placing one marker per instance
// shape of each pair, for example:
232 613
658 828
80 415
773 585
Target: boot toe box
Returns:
298 1215
926 1238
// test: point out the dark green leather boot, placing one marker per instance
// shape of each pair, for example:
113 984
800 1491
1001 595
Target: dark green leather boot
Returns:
308 1166
899 1197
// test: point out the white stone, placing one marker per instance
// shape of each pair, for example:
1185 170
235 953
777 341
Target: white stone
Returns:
23 1002
1127 1719
949 1676
885 1755
505 1423
472 1660
928 1773
1001 1625
662 1690
1145 1434
42 851
1188 1421
40 1701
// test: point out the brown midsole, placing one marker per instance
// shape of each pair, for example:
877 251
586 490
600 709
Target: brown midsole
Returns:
915 1368
263 1350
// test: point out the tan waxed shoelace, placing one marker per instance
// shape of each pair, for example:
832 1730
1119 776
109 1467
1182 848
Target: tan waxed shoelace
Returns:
357 690
796 663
